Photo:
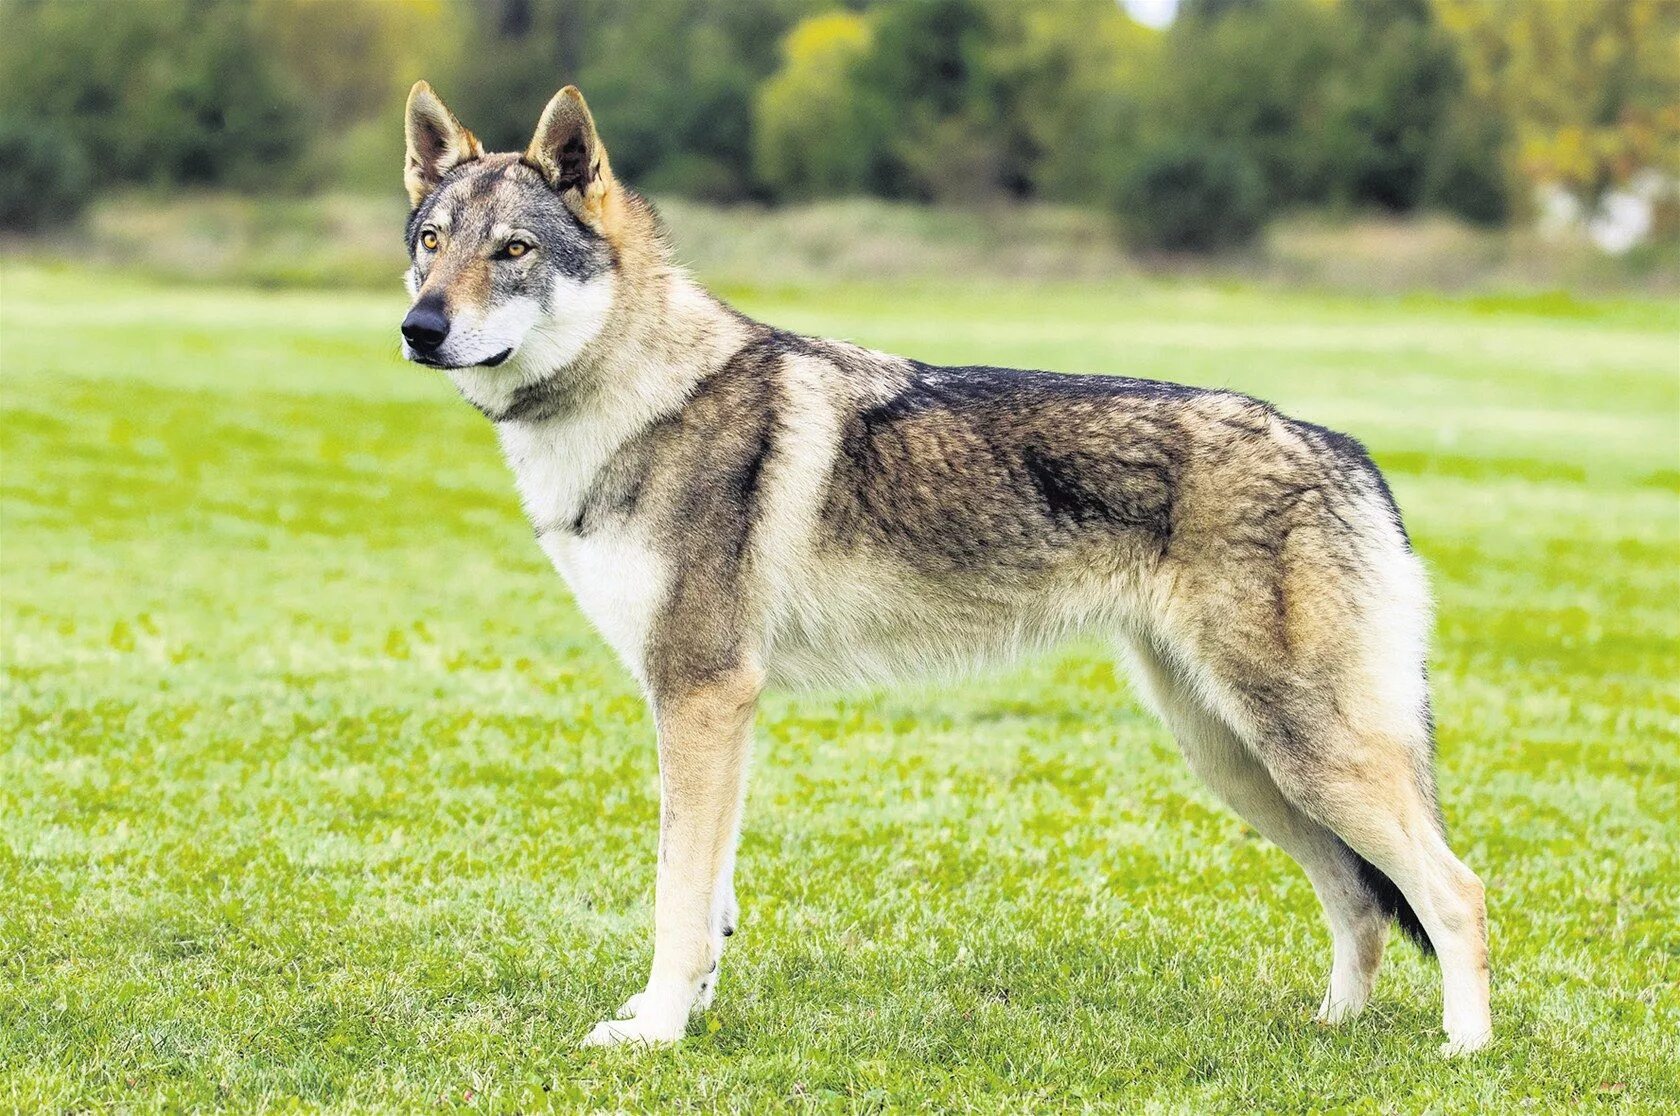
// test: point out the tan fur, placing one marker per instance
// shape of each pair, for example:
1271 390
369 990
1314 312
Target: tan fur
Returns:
705 741
566 149
736 506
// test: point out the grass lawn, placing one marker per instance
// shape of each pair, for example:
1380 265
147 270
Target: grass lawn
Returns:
315 789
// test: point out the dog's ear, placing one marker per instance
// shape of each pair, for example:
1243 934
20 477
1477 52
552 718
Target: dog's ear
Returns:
568 154
436 142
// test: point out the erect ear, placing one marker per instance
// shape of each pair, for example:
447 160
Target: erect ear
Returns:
436 142
567 152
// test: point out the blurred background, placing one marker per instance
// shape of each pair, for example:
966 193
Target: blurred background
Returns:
1386 143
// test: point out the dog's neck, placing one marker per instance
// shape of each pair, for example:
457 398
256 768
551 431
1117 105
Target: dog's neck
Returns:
662 337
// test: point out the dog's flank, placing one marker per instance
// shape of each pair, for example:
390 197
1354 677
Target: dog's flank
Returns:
736 506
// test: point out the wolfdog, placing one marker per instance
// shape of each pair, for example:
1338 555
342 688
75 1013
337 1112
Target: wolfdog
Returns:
736 507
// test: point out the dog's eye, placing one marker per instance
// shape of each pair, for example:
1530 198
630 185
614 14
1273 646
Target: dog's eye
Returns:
515 249
429 240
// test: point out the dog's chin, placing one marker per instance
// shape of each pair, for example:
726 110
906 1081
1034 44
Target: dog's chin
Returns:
432 362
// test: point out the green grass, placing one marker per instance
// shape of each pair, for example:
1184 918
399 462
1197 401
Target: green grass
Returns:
314 788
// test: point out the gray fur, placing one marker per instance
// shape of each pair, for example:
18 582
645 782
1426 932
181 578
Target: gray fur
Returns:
476 195
736 506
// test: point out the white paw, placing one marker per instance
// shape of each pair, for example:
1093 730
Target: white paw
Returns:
644 1030
1457 1046
1333 1012
704 993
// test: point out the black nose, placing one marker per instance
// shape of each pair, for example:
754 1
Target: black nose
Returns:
425 327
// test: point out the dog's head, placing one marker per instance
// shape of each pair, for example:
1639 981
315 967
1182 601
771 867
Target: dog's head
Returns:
512 254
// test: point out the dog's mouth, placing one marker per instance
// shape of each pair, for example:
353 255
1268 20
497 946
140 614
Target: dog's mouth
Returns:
488 362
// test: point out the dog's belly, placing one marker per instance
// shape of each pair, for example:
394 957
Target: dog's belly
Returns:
850 624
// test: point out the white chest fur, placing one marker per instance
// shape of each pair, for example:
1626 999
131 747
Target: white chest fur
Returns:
617 578
618 582
555 462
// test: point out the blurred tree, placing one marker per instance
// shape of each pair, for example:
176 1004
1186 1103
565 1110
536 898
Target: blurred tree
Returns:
1191 195
1070 78
1347 104
1402 108
353 58
44 177
815 131
929 64
169 91
1591 90
1466 173
1339 102
354 61
1259 78
672 82
956 100
1208 10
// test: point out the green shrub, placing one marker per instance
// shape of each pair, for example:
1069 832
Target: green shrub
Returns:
1191 196
163 92
44 177
1466 174
692 175
816 131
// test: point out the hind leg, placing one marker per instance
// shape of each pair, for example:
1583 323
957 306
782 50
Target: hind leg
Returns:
1365 788
1357 761
1358 926
1301 615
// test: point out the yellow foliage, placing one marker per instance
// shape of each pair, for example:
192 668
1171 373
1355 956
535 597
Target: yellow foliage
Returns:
1591 87
810 133
827 38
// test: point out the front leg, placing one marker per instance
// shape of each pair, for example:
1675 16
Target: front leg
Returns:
705 738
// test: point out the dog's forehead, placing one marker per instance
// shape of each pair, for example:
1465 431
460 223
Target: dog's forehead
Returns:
482 202
498 189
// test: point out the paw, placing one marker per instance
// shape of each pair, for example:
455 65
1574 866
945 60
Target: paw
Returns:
1335 1011
704 993
642 1030
1335 1014
1457 1046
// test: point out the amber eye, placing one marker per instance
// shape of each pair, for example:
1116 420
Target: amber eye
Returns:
429 240
516 248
